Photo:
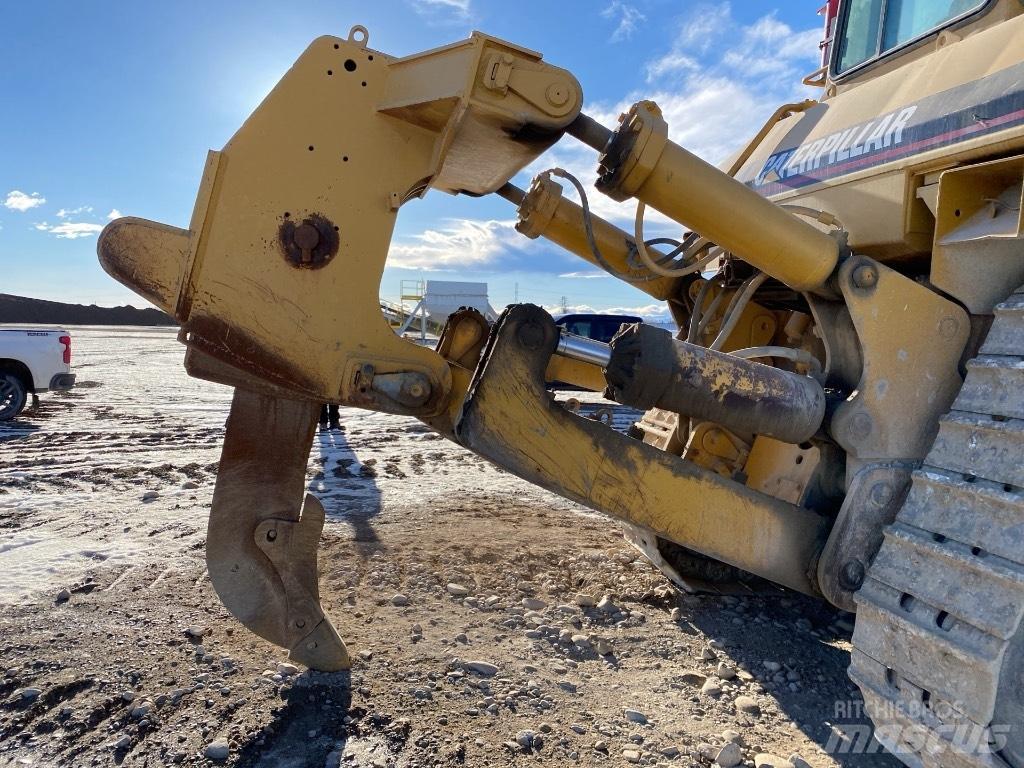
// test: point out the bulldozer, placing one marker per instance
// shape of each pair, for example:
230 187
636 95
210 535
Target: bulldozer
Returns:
841 411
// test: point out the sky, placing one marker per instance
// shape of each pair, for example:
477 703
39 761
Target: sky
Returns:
109 108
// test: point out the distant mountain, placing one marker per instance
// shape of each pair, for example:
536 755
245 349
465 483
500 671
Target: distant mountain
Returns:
20 309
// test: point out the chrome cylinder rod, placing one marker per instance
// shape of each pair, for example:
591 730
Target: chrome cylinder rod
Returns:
581 348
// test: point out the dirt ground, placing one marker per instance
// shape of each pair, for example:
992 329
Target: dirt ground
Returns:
490 623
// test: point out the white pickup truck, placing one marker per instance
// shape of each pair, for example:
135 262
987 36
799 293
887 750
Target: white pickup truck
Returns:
32 360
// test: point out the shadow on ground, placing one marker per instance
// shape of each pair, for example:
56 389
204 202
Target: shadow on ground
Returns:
347 488
307 727
799 633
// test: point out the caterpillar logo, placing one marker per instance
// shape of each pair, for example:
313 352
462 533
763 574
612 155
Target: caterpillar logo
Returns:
837 148
989 106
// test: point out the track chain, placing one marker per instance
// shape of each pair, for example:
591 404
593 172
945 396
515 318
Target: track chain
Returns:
940 621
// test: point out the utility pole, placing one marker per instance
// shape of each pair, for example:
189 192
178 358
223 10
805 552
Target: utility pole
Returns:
565 305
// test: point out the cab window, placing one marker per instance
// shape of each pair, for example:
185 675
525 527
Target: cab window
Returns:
579 327
872 28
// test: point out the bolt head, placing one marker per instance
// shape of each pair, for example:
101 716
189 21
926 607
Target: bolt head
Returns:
865 276
852 574
948 327
306 237
557 95
882 493
530 335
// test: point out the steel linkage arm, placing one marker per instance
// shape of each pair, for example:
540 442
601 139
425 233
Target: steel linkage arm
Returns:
510 419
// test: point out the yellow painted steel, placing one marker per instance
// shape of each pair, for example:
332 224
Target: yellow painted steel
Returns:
912 341
350 134
980 221
545 212
576 372
510 418
877 204
345 137
695 193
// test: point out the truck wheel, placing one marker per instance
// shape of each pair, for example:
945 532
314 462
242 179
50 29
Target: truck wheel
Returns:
12 396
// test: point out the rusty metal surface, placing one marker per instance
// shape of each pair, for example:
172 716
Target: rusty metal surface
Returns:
261 539
310 243
508 417
146 256
243 351
649 368
875 494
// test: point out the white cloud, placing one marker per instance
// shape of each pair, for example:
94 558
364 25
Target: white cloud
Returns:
703 27
769 46
63 213
19 201
454 10
713 103
766 47
628 17
459 5
586 275
671 62
464 243
70 230
114 214
649 312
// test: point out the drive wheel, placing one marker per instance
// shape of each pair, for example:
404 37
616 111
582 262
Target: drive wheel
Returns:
13 396
939 638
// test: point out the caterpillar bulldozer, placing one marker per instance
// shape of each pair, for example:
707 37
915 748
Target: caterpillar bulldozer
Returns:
841 411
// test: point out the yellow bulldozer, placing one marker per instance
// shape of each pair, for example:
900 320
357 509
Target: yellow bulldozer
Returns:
841 411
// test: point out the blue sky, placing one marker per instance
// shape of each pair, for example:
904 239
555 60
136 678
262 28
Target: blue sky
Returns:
111 106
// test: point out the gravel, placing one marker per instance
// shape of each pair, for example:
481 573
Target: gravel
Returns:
768 760
218 750
729 756
405 702
481 667
747 705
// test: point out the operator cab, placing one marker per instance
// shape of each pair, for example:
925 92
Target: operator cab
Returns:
861 34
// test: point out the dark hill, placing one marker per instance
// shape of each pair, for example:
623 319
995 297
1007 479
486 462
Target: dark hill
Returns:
20 309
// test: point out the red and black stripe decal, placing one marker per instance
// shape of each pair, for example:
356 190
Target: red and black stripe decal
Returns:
965 112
